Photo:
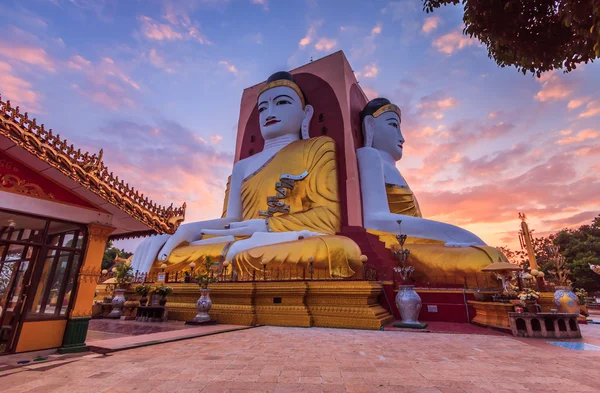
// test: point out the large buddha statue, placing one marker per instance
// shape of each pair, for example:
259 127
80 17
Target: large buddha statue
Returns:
437 249
282 203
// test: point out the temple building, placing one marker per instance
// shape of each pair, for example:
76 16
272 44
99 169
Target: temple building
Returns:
313 215
58 208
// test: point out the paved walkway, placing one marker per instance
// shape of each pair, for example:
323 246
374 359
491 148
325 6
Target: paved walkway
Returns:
126 342
276 359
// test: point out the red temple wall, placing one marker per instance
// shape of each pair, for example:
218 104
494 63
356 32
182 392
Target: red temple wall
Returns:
16 177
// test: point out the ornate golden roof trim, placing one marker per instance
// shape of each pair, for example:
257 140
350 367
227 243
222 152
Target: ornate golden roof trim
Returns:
88 170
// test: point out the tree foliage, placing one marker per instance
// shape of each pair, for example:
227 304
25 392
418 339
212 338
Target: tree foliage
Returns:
110 253
533 35
580 247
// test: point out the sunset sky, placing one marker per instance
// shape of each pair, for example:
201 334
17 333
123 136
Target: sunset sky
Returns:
157 85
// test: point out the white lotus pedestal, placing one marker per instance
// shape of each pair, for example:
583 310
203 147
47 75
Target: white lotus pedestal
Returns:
408 302
203 305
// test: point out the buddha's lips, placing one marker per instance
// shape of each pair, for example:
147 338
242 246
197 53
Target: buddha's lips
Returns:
271 122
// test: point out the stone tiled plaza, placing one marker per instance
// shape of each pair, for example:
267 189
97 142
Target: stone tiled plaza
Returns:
277 359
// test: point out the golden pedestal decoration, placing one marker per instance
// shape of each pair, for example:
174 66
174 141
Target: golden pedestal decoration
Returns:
233 303
346 304
339 304
492 314
281 303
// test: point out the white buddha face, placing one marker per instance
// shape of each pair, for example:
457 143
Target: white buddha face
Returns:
280 112
387 135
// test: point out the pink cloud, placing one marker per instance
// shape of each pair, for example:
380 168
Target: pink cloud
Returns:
25 54
229 67
553 88
325 44
376 30
180 27
592 109
158 61
452 42
581 136
106 82
311 33
79 63
158 31
166 157
583 218
435 104
18 90
263 3
576 103
431 23
369 71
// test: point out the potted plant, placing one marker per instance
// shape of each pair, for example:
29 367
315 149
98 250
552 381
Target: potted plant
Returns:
204 303
123 276
163 291
528 298
581 295
143 290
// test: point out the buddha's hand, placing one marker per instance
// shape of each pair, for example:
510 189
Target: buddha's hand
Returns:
243 228
186 233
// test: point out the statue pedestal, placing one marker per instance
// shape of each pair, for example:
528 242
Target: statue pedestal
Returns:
492 314
337 304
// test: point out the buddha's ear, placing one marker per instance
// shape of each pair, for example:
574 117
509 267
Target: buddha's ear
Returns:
308 114
368 130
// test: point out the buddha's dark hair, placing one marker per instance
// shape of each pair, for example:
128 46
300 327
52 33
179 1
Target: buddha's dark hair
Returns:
372 107
288 77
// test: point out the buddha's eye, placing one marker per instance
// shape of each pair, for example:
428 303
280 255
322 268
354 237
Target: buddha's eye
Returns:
395 125
283 102
262 108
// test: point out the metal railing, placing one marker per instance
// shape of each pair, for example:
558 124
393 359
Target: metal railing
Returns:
369 273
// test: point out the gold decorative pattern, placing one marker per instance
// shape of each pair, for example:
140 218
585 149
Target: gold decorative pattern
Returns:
88 170
388 108
12 183
275 203
99 233
80 314
341 304
88 274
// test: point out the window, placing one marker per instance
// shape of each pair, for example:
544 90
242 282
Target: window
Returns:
45 253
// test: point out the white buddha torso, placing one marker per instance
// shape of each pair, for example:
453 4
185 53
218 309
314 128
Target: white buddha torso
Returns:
378 171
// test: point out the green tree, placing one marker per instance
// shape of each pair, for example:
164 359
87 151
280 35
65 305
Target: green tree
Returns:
533 35
581 247
110 253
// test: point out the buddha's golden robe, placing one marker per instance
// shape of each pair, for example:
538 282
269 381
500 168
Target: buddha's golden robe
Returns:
435 263
310 203
401 200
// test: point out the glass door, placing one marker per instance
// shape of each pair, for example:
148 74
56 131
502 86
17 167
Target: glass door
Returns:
20 244
15 269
